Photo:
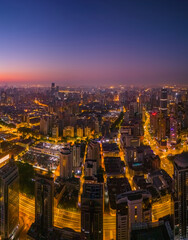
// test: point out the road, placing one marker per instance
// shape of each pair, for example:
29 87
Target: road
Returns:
62 218
148 139
70 219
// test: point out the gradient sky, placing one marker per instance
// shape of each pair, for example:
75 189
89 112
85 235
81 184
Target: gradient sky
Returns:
94 41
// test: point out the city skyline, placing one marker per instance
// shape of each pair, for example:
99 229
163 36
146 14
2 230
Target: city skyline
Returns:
95 43
94 163
93 120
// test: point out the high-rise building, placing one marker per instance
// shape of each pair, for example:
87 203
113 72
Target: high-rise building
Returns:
55 131
173 130
92 211
181 196
76 151
154 118
93 151
68 131
9 200
97 126
44 125
44 203
43 227
79 132
161 133
163 102
90 167
66 163
53 88
132 208
87 132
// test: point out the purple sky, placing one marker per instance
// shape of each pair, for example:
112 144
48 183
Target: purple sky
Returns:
94 42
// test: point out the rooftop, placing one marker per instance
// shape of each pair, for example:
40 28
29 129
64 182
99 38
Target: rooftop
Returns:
181 160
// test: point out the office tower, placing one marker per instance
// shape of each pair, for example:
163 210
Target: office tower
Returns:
76 156
87 131
44 125
154 118
92 211
80 132
90 167
173 130
3 97
57 88
163 102
132 208
9 200
53 88
66 163
133 109
96 126
93 151
43 227
161 134
181 196
68 131
44 203
55 131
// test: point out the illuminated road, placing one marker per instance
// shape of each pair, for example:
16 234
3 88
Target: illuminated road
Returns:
163 208
82 177
160 210
40 104
148 139
163 153
64 218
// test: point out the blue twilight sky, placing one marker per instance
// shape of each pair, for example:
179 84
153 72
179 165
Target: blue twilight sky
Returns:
94 42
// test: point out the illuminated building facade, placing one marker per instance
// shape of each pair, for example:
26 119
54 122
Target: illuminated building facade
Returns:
161 136
66 163
44 125
92 211
76 151
132 208
87 132
9 201
52 89
93 151
55 132
163 102
80 132
68 131
154 118
181 196
173 130
44 203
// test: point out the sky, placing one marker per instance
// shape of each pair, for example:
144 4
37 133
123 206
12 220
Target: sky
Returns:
94 42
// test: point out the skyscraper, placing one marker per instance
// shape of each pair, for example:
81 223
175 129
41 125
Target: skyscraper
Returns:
161 134
76 159
181 196
44 125
66 163
52 88
44 203
43 228
132 208
92 211
9 200
93 151
163 102
173 130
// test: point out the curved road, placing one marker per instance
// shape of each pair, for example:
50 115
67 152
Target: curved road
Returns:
64 218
